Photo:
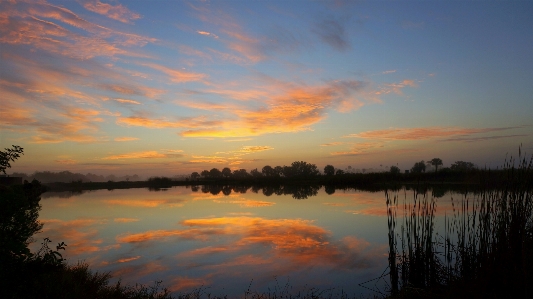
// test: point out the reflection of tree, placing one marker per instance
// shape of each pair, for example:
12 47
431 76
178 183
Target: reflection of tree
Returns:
329 189
301 191
240 189
268 190
438 192
226 190
19 211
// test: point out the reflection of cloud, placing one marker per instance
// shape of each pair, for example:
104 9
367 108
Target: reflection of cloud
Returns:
147 203
80 235
297 240
246 203
424 133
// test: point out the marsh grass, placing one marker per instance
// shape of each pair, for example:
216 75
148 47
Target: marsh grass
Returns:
486 249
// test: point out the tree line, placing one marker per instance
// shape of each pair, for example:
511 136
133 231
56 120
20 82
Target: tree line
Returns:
301 169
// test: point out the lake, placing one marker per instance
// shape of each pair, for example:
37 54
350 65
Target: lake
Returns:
225 240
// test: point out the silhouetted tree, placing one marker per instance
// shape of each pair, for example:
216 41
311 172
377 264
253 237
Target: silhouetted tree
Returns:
278 170
268 171
300 169
240 174
204 174
195 175
329 170
419 167
394 169
462 166
339 172
10 155
215 173
435 162
226 172
255 173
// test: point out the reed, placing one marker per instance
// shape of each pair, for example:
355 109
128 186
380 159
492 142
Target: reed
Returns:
486 249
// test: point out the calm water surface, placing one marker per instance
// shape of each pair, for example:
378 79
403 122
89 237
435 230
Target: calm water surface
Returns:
191 239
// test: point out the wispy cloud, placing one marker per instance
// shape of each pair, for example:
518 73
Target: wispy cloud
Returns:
332 31
121 139
143 155
125 220
207 33
177 76
333 143
476 139
424 132
126 101
117 12
360 148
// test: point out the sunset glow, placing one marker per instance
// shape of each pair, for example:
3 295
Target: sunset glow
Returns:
171 87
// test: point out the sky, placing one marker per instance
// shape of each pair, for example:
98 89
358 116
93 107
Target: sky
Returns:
171 87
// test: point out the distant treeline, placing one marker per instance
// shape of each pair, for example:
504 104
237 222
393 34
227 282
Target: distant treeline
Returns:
46 177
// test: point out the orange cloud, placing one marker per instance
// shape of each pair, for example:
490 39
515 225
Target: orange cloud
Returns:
177 76
137 155
125 101
246 203
80 235
120 139
187 283
423 133
125 220
66 161
163 123
148 203
117 12
333 144
128 259
360 148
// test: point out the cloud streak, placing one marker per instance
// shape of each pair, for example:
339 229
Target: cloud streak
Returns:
424 133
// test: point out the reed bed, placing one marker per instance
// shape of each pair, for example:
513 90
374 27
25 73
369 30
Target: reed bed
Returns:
484 250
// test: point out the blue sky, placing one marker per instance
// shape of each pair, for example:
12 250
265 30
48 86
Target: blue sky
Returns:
171 87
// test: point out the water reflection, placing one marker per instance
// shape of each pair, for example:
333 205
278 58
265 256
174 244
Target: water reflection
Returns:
296 191
222 236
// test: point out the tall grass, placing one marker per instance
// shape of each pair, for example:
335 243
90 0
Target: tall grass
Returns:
486 248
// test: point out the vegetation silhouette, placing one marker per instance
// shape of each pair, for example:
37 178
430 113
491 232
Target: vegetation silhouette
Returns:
487 247
8 156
